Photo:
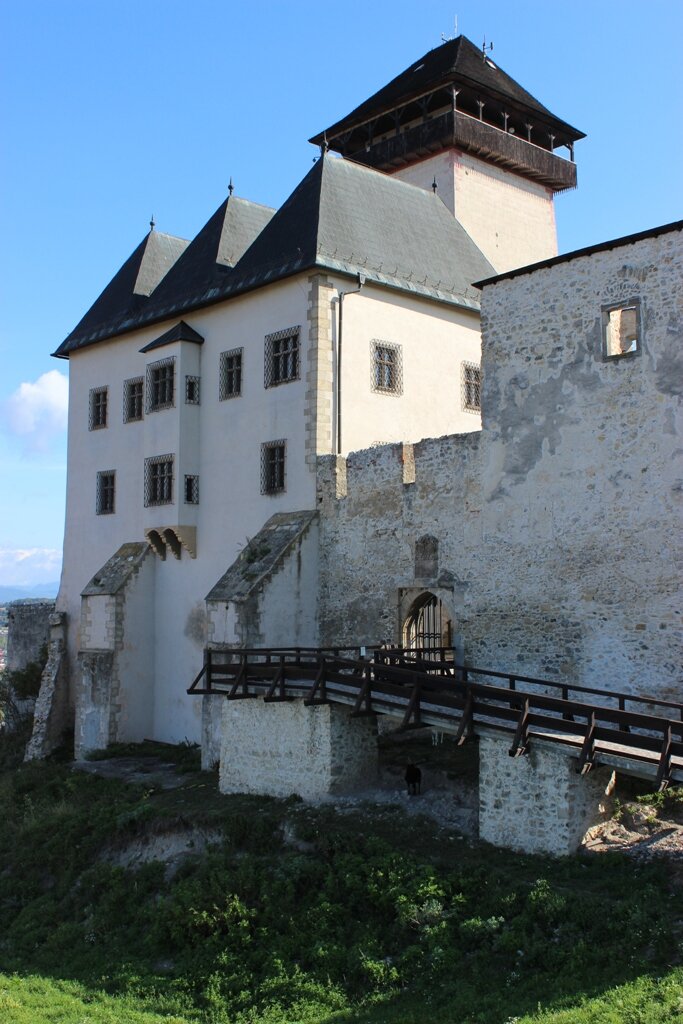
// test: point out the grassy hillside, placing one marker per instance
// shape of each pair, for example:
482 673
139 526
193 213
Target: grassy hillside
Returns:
296 914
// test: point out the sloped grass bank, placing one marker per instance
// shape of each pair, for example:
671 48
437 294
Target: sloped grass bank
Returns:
311 915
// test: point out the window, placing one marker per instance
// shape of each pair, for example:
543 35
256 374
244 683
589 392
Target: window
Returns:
471 387
281 357
161 385
192 390
387 368
159 480
621 330
98 408
132 399
191 490
104 501
230 374
273 467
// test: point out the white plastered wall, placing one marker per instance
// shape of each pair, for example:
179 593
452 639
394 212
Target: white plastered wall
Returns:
227 461
511 219
434 340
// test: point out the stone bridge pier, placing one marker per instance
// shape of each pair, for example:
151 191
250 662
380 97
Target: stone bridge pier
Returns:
537 802
280 748
534 803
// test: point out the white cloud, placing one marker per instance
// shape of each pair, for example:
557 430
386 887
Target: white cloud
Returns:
22 567
37 410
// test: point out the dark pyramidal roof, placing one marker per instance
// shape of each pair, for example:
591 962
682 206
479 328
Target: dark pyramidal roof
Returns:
457 61
341 217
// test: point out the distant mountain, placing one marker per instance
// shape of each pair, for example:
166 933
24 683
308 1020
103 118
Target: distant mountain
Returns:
37 590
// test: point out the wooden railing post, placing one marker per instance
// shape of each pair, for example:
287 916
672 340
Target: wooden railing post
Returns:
209 665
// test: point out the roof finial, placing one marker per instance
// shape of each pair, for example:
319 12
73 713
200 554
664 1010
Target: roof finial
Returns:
231 187
448 39
152 223
324 145
434 185
484 48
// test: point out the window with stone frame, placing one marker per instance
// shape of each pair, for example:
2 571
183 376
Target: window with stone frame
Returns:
230 374
470 378
621 330
281 357
160 385
133 399
273 456
159 480
97 415
191 490
106 490
387 368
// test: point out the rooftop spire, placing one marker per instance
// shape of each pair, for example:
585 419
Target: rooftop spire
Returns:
151 223
231 187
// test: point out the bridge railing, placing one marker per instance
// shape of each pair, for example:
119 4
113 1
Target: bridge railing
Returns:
381 681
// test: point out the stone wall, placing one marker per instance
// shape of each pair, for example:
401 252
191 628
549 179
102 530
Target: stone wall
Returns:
51 717
278 749
556 524
115 689
28 631
538 803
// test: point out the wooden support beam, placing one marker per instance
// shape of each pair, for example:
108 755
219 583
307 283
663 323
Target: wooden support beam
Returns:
664 768
319 685
412 718
277 691
466 727
520 742
587 755
363 705
240 688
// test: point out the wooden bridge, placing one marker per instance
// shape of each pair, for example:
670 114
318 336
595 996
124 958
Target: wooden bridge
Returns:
634 733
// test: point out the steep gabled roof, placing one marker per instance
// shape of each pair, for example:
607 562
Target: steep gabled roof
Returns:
129 290
173 269
352 219
457 61
342 217
213 253
394 234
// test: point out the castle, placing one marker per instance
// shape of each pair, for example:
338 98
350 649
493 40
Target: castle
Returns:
262 397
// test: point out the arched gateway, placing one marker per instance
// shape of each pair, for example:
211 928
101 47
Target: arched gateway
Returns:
427 627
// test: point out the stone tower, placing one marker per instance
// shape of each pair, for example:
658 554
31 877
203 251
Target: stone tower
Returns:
455 122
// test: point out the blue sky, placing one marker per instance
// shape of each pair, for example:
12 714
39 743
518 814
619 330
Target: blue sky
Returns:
114 111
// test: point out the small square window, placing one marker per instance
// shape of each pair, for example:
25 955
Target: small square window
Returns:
192 390
273 467
106 486
281 357
230 374
159 480
471 387
161 385
132 399
621 330
98 408
387 368
191 490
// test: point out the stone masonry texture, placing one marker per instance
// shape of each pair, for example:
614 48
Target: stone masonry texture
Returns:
28 632
282 748
537 803
558 550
